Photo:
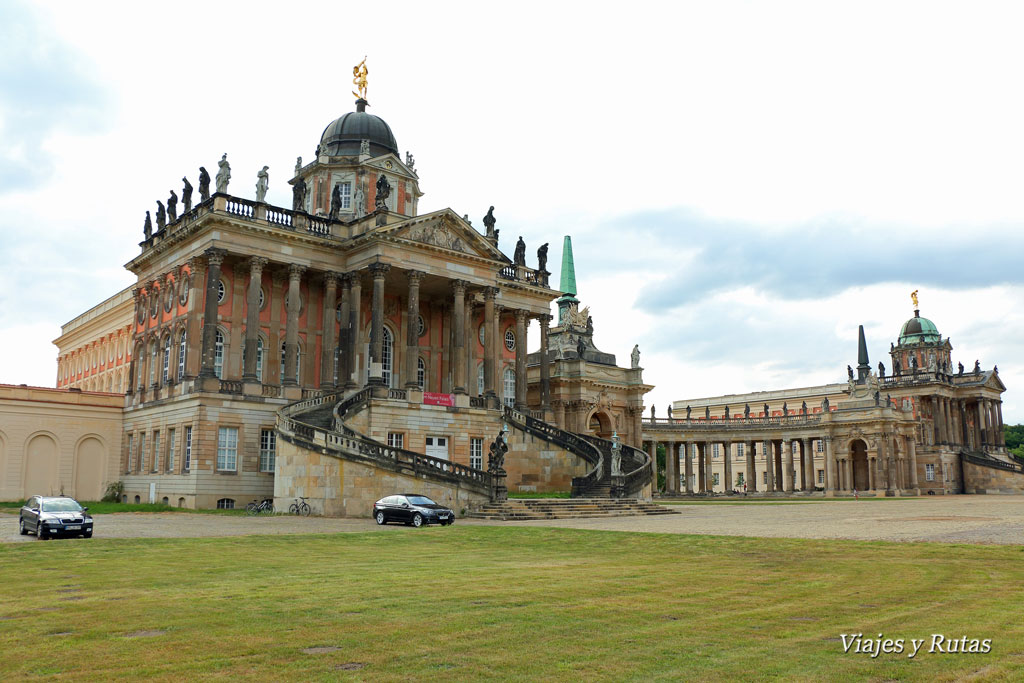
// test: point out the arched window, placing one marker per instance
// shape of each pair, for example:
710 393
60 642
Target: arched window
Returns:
421 373
298 361
223 503
480 379
218 356
510 386
181 354
152 362
167 359
387 356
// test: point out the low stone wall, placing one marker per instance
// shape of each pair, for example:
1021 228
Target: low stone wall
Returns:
336 487
534 465
982 479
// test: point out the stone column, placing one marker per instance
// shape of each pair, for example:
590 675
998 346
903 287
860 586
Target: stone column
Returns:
939 412
872 465
787 466
982 427
379 271
214 258
750 471
291 330
498 342
652 451
341 350
947 412
709 467
355 322
252 319
999 421
469 347
671 467
412 326
489 294
779 463
521 316
460 378
194 335
769 462
327 343
808 464
830 466
688 467
727 483
545 363
701 479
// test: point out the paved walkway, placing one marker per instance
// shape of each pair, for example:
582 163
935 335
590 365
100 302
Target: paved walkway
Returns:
950 519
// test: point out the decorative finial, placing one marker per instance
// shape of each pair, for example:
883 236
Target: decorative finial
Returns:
913 297
359 72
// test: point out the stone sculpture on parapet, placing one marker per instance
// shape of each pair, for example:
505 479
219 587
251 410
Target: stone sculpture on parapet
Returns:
383 192
335 202
364 148
262 183
147 230
634 359
652 413
186 195
542 258
616 455
977 367
746 411
298 165
172 207
410 161
161 216
519 257
881 369
489 222
223 173
204 184
299 195
688 411
359 201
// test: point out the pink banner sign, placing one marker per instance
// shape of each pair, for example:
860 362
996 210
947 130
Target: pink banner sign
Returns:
432 399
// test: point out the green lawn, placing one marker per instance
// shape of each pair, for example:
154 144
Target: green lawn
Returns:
496 603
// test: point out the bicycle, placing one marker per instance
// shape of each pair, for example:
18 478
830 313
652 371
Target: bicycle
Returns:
300 507
265 507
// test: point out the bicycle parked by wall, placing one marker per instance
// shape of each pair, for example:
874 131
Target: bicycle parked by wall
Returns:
300 507
265 507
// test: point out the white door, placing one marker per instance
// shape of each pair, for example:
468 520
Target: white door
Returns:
152 492
437 447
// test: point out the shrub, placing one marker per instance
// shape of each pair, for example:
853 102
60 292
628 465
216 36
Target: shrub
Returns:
115 490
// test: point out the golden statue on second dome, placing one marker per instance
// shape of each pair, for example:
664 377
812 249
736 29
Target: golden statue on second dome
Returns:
913 297
359 71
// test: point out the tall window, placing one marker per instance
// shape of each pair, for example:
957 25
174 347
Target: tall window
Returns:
268 449
421 373
152 362
821 476
170 450
510 386
131 452
476 453
480 380
715 477
739 451
218 355
156 450
187 463
167 359
181 354
387 355
142 452
764 477
346 194
714 450
227 449
819 445
929 472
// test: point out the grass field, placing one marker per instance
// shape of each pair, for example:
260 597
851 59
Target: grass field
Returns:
499 602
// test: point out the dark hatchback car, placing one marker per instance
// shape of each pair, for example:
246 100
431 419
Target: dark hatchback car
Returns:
409 508
47 516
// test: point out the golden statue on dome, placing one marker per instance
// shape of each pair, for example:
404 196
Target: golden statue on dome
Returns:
913 297
359 71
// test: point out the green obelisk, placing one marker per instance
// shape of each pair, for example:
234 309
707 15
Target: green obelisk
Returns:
567 282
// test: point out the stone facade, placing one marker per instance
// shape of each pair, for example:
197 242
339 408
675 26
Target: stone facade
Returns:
94 350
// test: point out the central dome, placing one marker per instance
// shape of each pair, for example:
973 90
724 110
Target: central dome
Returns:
919 329
344 135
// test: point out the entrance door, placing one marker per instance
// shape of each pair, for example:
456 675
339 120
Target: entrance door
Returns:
859 461
437 447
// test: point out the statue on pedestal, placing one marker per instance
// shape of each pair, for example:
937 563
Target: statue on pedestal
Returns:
785 409
746 411
542 257
652 413
364 148
172 207
707 412
849 371
688 411
960 368
977 367
186 195
581 346
489 222
727 412
616 455
897 367
262 182
223 173
147 230
767 411
634 357
881 369
161 216
669 412
803 408
824 405
335 201
519 258
299 195
913 363
204 184
410 161
359 201
298 165
383 192
496 454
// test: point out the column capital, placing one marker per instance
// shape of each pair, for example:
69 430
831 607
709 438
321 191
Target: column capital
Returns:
215 256
414 276
459 287
544 319
490 293
379 270
295 271
331 277
521 315
256 264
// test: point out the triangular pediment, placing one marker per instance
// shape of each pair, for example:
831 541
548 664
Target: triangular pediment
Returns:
993 382
446 230
390 163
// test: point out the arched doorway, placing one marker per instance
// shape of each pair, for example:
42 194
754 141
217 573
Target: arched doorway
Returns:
600 424
859 463
41 466
90 459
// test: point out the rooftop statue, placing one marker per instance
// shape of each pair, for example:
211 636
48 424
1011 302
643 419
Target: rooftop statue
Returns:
519 258
652 413
298 165
489 221
913 297
410 161
707 412
913 362
669 412
785 409
335 201
960 368
204 184
849 371
977 368
581 346
359 72
262 182
824 405
803 408
359 201
161 216
186 195
147 230
383 192
727 412
767 412
881 369
746 410
634 361
897 366
542 257
688 412
172 207
299 195
364 147
223 173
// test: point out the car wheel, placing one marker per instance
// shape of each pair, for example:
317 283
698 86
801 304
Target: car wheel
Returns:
87 534
417 520
380 519
40 531
21 527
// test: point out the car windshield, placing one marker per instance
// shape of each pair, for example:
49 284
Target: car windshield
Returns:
420 500
61 505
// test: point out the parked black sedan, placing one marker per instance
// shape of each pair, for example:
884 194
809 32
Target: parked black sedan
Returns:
47 516
410 508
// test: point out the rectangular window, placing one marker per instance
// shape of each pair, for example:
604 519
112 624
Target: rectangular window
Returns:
715 477
187 463
739 451
476 453
714 450
156 450
268 449
227 449
170 450
131 452
821 477
929 472
142 452
346 195
764 477
396 440
820 447
739 479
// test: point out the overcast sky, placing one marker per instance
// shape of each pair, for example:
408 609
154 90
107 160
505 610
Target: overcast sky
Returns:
744 183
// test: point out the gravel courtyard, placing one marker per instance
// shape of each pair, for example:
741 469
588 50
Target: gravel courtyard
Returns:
947 519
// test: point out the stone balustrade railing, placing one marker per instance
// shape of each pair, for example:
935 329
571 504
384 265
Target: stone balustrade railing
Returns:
739 424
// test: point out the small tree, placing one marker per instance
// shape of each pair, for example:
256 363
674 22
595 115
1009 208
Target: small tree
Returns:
115 490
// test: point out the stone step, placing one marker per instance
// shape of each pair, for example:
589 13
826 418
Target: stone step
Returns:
563 508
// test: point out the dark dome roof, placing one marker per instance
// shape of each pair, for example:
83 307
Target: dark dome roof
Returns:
342 136
919 329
